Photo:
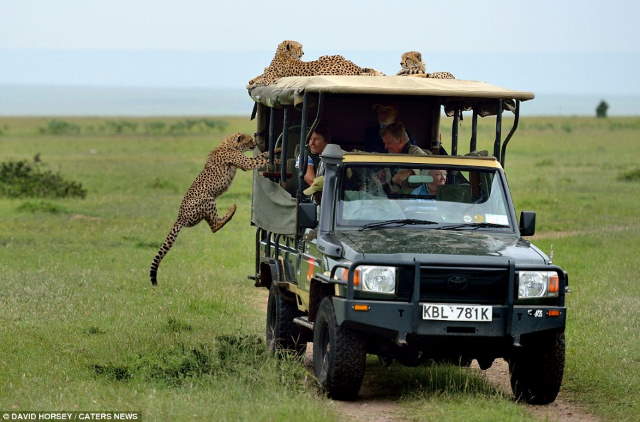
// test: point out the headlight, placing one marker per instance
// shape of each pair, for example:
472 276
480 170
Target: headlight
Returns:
378 279
372 278
535 284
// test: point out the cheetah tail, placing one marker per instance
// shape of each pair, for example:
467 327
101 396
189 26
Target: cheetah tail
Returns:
168 243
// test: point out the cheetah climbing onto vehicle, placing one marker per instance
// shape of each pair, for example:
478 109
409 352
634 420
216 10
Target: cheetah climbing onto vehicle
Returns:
199 203
286 62
411 64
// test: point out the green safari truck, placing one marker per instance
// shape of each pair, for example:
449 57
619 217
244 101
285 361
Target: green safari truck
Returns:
414 275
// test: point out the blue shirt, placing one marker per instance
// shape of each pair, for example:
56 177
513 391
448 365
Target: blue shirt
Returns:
421 190
309 161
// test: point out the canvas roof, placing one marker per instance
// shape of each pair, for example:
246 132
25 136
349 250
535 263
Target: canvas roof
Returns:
290 90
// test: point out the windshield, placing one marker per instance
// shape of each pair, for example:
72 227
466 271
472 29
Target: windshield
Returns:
418 195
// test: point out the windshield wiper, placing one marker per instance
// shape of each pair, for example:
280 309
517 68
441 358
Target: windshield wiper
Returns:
400 222
472 226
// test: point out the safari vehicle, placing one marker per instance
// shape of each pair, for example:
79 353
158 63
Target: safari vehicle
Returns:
409 276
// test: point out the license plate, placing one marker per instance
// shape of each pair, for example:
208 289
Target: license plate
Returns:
447 312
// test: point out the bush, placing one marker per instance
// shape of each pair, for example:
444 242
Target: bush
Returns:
154 128
120 126
60 127
192 126
19 179
630 176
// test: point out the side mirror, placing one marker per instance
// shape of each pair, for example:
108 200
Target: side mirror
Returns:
307 215
527 223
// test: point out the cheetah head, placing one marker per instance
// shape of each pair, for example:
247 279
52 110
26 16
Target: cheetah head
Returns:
241 141
411 59
387 114
288 48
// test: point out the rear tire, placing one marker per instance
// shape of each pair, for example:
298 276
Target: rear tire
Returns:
339 355
536 370
283 335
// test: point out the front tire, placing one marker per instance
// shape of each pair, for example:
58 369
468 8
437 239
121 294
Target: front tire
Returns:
339 355
283 335
536 371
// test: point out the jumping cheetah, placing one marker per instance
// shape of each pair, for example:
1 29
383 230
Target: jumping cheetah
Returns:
199 203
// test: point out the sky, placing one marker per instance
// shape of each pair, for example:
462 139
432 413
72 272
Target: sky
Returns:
575 46
203 25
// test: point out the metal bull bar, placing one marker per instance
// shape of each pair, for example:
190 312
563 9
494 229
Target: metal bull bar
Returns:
418 266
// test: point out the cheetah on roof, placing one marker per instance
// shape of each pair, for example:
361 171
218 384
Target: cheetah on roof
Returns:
286 62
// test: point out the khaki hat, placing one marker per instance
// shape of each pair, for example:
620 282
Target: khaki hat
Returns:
316 186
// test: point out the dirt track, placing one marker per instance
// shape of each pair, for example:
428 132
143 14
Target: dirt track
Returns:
559 410
375 404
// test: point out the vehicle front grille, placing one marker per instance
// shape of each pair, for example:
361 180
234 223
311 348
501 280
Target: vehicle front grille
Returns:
457 285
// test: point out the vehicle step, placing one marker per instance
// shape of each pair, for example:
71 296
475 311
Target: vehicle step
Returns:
304 322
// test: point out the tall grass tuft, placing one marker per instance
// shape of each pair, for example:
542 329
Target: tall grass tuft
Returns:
42 206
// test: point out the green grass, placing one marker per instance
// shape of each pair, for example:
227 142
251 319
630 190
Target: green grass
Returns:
82 328
442 392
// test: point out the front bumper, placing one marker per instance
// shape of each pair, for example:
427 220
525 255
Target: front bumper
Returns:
405 318
402 318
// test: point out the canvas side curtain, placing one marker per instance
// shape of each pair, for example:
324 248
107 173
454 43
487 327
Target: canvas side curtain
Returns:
272 207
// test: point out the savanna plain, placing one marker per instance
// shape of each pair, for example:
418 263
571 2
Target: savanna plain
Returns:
81 327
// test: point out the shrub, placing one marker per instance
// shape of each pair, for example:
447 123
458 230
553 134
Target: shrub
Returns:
630 176
60 127
186 126
220 125
19 179
120 126
154 128
178 128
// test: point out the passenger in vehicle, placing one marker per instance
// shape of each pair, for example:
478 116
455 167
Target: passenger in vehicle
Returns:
386 115
319 139
439 179
396 141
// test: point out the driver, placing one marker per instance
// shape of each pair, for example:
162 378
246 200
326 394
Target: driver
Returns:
439 178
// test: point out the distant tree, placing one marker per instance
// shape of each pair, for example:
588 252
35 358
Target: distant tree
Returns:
601 110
